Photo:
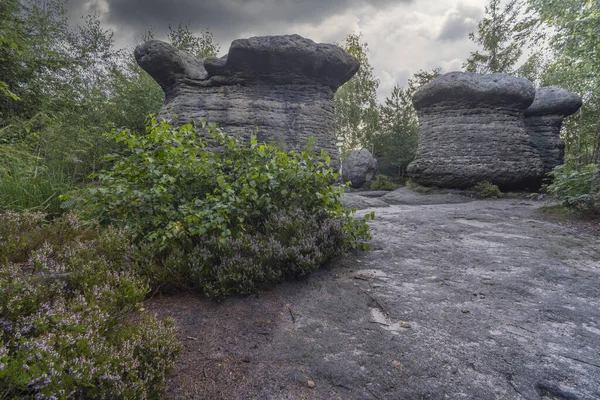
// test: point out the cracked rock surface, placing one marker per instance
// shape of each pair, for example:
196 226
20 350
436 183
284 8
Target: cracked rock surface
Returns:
282 87
477 300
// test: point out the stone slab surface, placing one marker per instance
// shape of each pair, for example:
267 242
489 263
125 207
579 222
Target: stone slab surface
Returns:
478 300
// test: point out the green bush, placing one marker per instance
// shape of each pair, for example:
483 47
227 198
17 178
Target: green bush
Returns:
382 182
291 245
487 190
67 322
179 197
577 187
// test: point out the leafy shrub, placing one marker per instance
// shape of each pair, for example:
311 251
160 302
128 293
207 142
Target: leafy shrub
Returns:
292 245
382 182
487 190
577 187
66 325
227 206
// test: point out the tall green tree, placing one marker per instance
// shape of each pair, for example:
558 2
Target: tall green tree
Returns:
10 43
40 58
356 112
574 64
421 78
501 34
396 141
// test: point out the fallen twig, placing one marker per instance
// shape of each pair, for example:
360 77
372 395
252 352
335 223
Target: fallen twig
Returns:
520 327
291 314
372 393
380 323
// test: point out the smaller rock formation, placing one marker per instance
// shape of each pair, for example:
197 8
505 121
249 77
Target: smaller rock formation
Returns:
280 86
543 120
359 168
471 130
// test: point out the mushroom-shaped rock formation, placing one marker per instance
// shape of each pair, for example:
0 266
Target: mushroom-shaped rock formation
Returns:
282 87
471 130
543 120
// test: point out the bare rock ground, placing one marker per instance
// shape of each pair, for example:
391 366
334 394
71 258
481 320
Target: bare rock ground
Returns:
478 300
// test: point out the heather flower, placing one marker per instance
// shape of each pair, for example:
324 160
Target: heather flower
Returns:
67 334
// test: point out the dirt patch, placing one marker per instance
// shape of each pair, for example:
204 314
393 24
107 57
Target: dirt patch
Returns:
486 299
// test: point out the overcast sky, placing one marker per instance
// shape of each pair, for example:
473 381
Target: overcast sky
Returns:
403 35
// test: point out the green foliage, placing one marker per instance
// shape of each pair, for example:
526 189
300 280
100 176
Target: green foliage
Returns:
72 86
487 190
198 46
62 84
175 195
356 114
502 34
66 323
396 143
577 187
25 184
135 95
21 191
382 182
290 244
10 38
572 34
421 78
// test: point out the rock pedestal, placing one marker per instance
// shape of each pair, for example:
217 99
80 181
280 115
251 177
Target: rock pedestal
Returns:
282 87
359 168
543 120
471 130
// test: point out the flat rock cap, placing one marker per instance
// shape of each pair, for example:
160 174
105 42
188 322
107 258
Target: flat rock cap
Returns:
475 89
285 59
552 100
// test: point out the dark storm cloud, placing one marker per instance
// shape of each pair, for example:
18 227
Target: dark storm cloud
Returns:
460 22
226 18
232 13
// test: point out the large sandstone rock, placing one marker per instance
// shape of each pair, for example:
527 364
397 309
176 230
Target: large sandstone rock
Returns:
471 130
281 85
359 168
543 120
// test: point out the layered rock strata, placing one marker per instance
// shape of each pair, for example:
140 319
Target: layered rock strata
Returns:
280 87
543 120
471 130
